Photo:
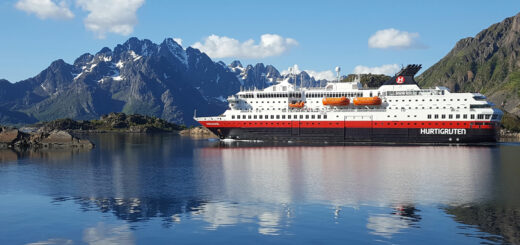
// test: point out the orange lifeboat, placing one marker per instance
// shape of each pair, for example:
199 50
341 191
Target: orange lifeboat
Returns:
341 101
297 104
367 101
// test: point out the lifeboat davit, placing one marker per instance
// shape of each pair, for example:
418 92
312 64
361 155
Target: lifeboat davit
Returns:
367 101
341 101
297 104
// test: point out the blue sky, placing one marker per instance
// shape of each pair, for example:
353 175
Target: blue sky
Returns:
315 35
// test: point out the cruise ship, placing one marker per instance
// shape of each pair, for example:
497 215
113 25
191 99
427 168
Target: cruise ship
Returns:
399 111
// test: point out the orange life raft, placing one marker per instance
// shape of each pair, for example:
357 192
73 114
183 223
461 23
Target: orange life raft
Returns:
297 104
341 101
367 101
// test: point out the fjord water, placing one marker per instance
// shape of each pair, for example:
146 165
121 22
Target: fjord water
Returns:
165 189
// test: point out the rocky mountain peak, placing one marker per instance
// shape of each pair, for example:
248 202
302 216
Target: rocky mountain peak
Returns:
235 63
83 59
105 51
143 47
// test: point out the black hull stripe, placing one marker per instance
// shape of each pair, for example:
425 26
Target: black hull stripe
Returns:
402 135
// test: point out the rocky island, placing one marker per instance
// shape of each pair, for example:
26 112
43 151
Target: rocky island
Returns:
113 122
13 138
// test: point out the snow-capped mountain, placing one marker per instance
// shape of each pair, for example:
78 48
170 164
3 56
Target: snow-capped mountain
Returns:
138 76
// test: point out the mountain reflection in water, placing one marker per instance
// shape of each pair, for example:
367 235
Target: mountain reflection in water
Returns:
376 192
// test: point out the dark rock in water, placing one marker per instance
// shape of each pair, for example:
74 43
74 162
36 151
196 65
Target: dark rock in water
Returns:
15 139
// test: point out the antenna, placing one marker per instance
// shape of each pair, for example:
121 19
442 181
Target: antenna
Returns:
338 69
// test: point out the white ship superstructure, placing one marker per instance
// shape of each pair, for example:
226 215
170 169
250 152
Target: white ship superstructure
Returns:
398 111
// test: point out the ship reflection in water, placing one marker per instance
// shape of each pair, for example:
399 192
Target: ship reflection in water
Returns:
158 189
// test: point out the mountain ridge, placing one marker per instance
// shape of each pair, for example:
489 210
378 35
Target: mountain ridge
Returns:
135 77
488 63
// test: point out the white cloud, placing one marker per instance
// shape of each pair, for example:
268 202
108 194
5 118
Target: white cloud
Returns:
318 75
393 38
103 234
53 241
178 40
222 47
384 69
110 16
45 9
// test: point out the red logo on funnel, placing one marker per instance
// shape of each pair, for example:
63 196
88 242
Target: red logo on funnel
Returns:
399 79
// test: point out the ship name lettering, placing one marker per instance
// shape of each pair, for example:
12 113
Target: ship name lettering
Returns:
443 131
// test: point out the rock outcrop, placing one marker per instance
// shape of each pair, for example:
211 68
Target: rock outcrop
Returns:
198 132
15 139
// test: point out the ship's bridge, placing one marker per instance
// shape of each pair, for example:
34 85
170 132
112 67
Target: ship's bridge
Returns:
343 86
282 86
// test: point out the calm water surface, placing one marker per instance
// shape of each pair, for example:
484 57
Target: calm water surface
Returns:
137 189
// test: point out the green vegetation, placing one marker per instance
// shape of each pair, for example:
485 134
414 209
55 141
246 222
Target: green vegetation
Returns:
511 122
368 80
115 122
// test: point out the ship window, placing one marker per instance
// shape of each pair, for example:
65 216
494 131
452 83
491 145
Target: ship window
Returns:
233 117
436 116
429 116
283 116
457 116
277 116
272 116
249 117
450 116
288 116
324 116
472 116
306 116
465 116
480 116
261 116
266 116
443 116
319 116
465 99
254 116
301 116
312 116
